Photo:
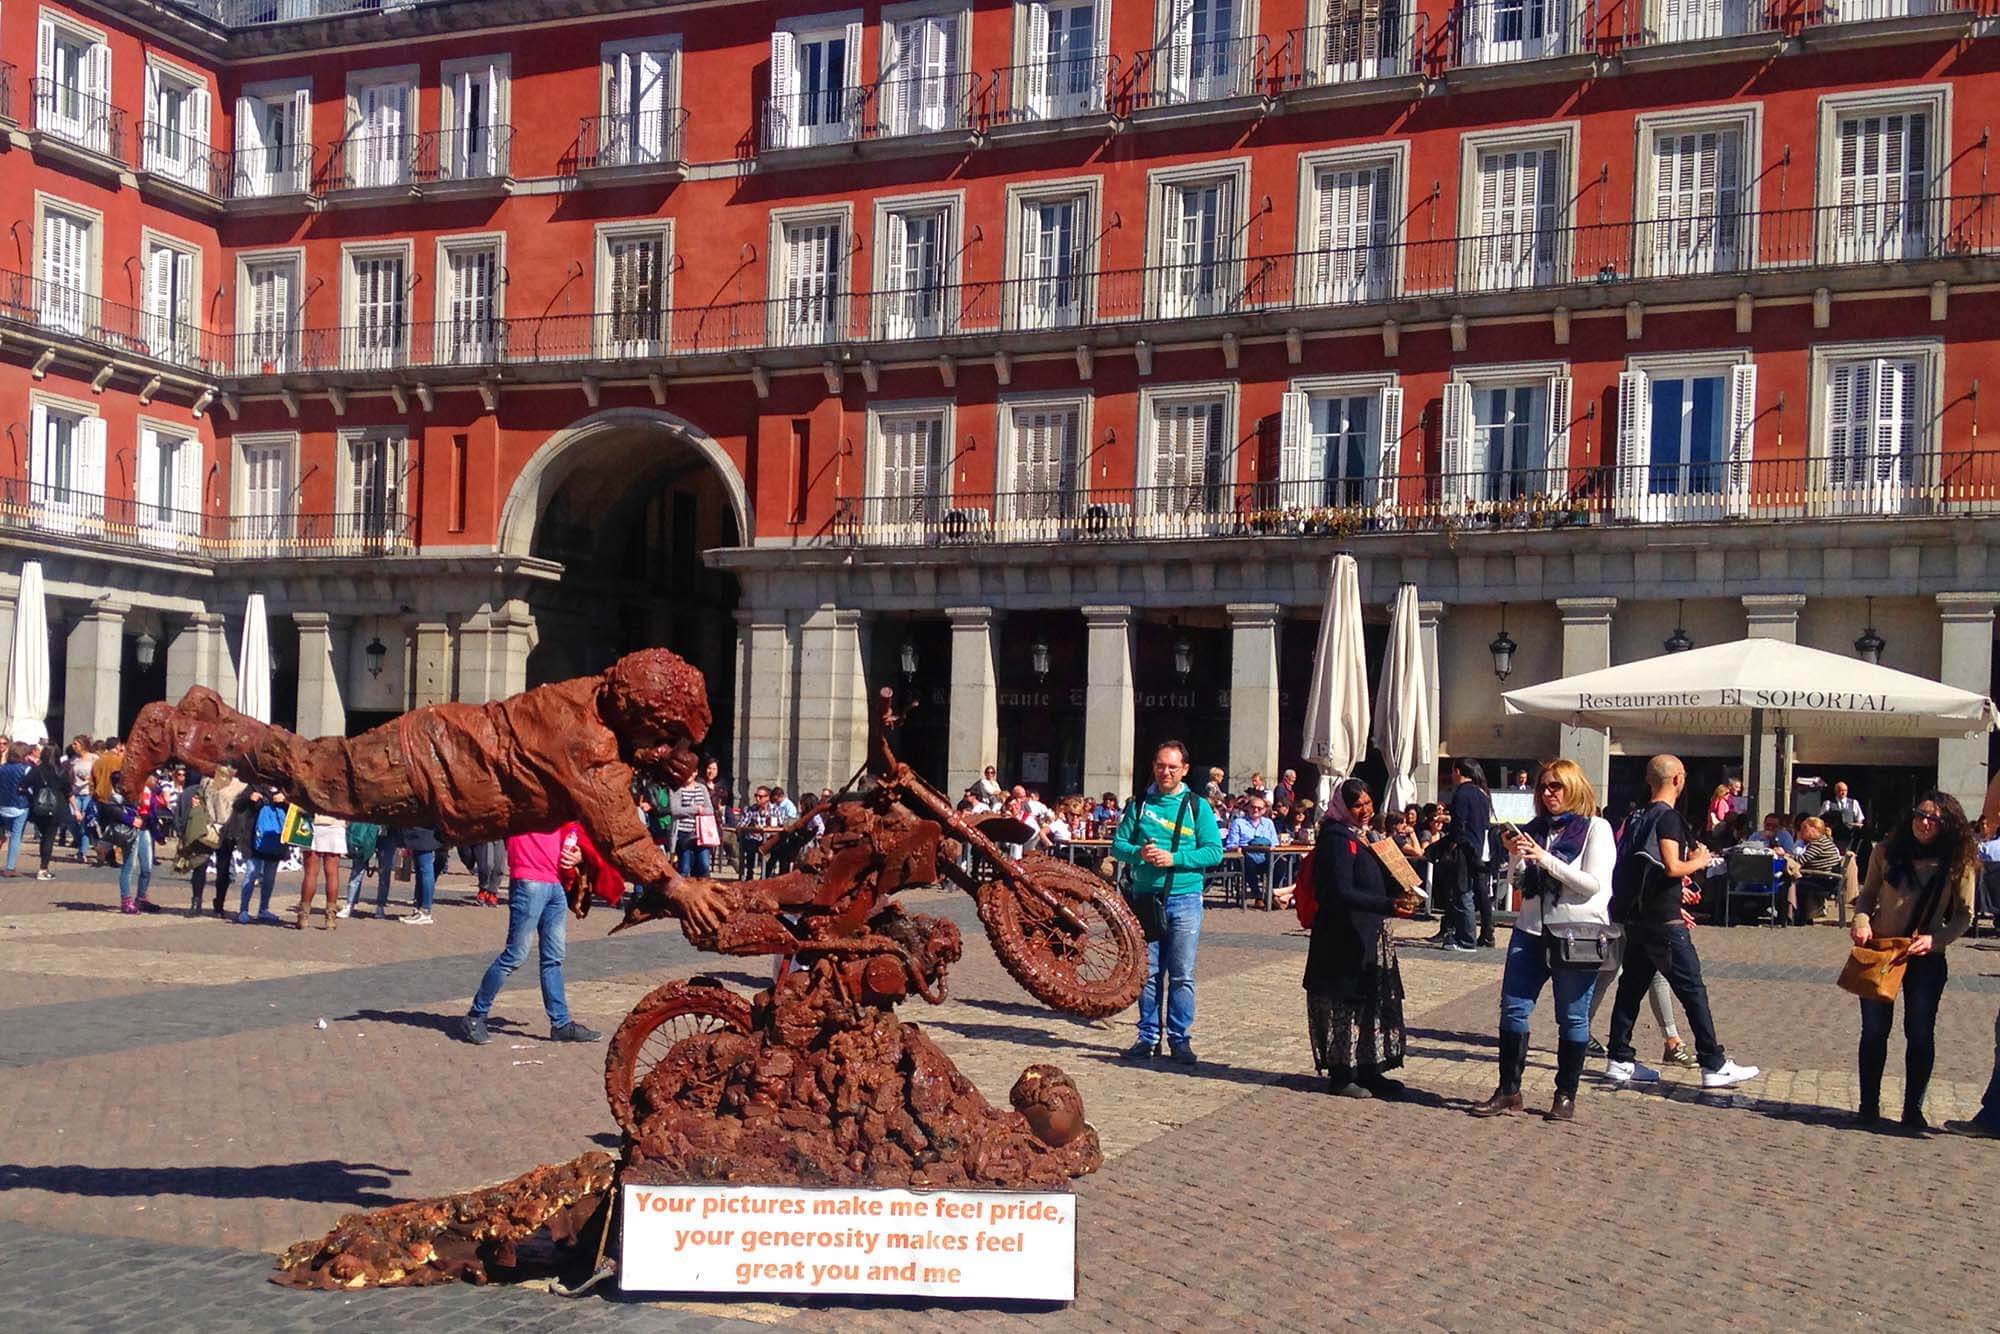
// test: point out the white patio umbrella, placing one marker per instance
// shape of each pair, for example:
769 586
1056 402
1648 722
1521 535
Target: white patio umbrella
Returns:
1336 731
1754 685
253 663
1402 704
28 679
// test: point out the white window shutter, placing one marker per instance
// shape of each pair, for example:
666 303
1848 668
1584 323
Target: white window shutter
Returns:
246 132
850 90
147 475
160 298
45 49
38 448
1635 433
784 87
1886 440
1842 445
1035 60
1454 442
97 67
299 159
90 466
1555 477
152 95
198 124
1742 432
1180 51
1390 455
1294 440
187 480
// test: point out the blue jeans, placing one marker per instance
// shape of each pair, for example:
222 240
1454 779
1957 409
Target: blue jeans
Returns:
139 861
1666 950
693 860
80 821
16 818
425 864
1923 989
1521 986
357 874
1173 952
537 908
261 875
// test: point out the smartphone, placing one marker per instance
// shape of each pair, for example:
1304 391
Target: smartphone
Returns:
1508 829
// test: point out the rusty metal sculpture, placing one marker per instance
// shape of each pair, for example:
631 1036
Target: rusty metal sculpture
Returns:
815 1080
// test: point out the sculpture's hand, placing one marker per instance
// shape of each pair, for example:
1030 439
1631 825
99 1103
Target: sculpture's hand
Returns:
653 904
701 907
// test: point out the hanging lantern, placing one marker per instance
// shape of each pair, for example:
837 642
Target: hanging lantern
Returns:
1503 648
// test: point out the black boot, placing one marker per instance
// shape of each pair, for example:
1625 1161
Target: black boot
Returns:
1570 1057
1874 1059
1513 1064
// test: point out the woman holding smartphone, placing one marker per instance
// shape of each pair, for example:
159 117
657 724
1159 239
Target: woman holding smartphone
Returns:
1562 863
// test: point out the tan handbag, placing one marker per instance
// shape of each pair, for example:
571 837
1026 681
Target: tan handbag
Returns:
1875 971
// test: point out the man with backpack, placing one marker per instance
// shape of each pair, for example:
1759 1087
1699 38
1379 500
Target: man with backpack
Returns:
1168 837
1655 854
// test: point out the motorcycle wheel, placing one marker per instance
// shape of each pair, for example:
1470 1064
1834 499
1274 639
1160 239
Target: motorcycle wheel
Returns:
1085 956
661 1020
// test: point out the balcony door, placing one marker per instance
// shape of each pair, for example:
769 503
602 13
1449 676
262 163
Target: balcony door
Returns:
815 87
264 516
472 150
1698 219
271 339
1050 290
376 334
1685 443
1065 73
809 313
911 470
1505 32
917 257
168 488
1190 456
170 303
1045 464
1362 40
271 134
374 488
66 302
379 144
1352 259
921 93
176 143
641 99
472 336
74 100
1519 204
1200 236
1883 164
1875 418
65 468
1699 20
637 295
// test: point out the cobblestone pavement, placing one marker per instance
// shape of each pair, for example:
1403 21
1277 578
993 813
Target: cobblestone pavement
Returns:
172 1114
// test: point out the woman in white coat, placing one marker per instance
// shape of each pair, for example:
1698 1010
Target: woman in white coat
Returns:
1562 863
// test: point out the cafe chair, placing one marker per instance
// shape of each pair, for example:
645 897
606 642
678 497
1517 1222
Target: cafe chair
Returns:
1751 874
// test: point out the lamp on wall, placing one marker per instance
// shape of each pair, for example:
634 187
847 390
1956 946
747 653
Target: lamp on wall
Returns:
1870 645
907 657
377 654
1502 648
1038 658
1680 641
144 649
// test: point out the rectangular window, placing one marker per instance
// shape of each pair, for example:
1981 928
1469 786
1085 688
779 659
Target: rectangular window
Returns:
1339 448
640 101
170 303
270 341
1505 32
73 92
1190 457
1698 216
1198 235
915 300
472 145
1201 58
1520 206
374 487
910 468
1063 69
472 322
264 513
176 128
380 146
1699 20
273 144
1361 39
922 89
635 269
809 312
815 87
1505 438
67 300
376 333
1883 179
1049 287
1875 418
65 468
168 485
1352 223
1044 445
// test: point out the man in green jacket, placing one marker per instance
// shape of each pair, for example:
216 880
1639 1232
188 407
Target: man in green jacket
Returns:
1168 837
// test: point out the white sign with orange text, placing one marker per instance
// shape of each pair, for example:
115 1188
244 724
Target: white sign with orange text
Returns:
943 1243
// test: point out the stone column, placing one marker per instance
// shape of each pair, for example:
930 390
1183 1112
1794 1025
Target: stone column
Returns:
975 697
90 685
764 718
1253 692
320 711
493 648
1966 662
430 676
196 656
1109 719
833 703
1430 617
1587 648
1771 616
739 707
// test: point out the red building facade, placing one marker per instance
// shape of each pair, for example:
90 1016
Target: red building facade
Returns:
1036 353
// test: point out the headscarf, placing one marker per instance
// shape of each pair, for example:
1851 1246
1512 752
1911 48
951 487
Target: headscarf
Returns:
1336 803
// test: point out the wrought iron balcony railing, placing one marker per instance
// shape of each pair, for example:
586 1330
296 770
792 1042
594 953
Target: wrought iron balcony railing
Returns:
1384 43
372 162
631 140
1045 91
88 318
59 509
65 112
272 171
1182 73
1665 22
183 160
1499 500
896 107
464 153
1507 32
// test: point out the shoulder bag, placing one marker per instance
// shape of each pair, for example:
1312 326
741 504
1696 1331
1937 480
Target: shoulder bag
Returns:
1151 908
1875 971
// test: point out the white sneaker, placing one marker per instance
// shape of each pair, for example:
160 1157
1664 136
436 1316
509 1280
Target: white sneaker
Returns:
1630 1072
417 919
45 875
345 912
1730 1075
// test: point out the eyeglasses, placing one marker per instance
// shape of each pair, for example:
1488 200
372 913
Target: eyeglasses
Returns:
1928 817
1552 787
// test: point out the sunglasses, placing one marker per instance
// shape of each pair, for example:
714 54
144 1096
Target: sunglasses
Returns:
1928 817
1552 787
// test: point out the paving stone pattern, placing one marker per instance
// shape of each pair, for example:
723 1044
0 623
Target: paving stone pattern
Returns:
172 1115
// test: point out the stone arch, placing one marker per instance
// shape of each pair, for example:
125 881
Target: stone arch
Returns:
569 450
